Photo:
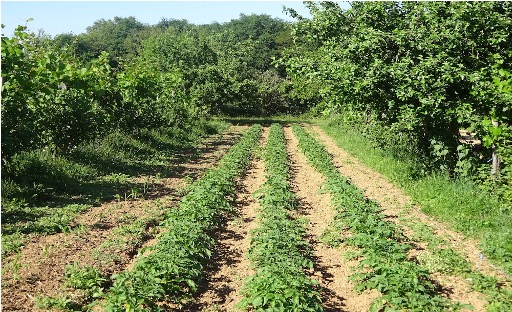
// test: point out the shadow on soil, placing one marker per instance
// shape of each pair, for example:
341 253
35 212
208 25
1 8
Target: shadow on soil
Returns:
263 121
223 256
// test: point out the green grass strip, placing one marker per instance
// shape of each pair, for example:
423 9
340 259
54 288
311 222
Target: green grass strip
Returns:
174 267
384 265
278 249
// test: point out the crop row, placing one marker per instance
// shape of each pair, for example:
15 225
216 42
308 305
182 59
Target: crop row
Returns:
175 264
381 244
278 250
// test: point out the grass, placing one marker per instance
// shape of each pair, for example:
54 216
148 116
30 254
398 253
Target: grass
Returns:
459 203
130 236
42 192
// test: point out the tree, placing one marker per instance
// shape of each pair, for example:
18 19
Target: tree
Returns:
120 38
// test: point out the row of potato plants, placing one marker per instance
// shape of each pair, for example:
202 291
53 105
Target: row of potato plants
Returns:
174 267
382 247
278 250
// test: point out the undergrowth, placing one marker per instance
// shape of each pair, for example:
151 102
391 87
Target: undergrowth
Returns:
43 191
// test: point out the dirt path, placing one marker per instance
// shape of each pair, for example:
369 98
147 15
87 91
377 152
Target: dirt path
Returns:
230 266
41 262
393 202
332 270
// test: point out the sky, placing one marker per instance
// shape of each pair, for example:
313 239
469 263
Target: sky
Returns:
57 17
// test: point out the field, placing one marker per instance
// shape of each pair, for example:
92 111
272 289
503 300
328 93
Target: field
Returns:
359 159
272 218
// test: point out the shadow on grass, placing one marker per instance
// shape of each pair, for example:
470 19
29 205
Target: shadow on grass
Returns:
41 191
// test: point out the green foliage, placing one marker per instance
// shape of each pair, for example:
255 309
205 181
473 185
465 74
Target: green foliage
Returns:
175 264
86 278
118 37
46 98
11 244
122 75
42 193
444 260
129 237
17 218
410 75
269 35
59 303
45 173
497 133
278 249
226 68
51 100
153 99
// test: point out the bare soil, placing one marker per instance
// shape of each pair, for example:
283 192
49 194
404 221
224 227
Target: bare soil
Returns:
331 269
230 265
43 258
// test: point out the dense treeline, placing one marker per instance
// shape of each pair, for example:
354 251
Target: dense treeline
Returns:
63 96
410 75
226 67
123 74
407 75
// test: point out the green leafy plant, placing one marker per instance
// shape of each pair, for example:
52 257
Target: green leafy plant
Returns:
86 278
174 266
382 246
278 250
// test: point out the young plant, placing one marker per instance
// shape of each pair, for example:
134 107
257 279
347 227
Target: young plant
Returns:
175 264
278 250
384 249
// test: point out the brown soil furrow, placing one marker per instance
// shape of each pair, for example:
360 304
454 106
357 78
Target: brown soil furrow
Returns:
332 271
193 170
230 265
43 258
393 202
